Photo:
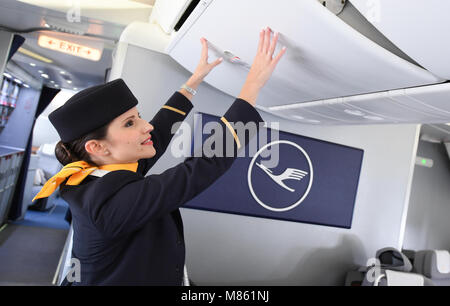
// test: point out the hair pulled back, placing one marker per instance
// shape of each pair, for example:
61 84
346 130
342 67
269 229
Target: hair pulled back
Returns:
69 152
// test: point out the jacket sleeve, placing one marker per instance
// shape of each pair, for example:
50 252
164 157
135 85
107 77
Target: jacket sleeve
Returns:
175 110
151 197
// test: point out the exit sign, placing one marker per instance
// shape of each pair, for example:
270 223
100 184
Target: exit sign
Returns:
68 47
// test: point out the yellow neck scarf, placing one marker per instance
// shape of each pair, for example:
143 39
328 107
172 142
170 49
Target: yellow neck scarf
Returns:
77 172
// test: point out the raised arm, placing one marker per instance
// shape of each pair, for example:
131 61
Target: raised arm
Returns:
139 200
176 109
263 65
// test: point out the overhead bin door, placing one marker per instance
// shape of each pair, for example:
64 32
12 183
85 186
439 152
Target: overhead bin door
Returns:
326 58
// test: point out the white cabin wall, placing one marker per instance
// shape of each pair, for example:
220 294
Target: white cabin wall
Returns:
427 226
43 131
226 249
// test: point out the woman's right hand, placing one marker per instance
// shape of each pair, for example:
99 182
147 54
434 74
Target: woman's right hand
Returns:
262 67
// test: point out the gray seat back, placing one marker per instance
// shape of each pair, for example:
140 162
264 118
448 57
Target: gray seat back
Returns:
397 278
434 264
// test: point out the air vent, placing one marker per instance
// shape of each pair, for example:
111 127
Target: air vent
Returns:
77 28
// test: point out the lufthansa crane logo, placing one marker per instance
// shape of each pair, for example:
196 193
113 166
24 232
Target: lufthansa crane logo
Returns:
292 184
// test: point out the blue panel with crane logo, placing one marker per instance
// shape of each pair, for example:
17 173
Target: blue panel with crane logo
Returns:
287 177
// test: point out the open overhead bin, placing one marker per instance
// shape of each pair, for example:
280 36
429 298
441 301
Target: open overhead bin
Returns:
326 58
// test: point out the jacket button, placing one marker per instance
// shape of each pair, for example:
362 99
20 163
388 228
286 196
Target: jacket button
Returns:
179 241
177 269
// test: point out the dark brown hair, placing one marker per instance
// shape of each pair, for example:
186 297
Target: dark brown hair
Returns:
69 152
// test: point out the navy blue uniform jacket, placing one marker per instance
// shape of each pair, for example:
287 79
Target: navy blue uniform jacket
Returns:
127 226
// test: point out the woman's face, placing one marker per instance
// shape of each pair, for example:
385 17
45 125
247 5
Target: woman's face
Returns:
128 138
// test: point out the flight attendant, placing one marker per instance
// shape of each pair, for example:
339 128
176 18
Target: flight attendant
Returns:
127 226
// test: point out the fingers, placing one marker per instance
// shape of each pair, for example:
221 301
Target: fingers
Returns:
278 57
204 55
266 44
261 40
216 62
266 40
273 44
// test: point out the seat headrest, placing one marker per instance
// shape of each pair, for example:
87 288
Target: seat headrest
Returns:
392 259
437 264
47 149
395 278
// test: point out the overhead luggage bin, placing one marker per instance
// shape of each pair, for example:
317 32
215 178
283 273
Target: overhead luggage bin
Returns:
326 58
418 28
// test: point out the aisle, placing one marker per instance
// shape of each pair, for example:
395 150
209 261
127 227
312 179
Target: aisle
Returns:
30 249
29 255
53 218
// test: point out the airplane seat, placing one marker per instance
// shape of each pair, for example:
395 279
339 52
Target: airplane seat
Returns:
410 254
392 259
355 278
394 270
434 264
419 258
389 259
397 278
45 162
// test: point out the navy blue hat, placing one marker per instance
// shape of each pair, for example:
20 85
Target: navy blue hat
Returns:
91 109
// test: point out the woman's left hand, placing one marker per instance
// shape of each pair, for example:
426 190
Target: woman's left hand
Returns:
204 67
201 71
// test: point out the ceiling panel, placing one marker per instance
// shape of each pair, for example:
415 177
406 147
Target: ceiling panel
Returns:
419 28
409 98
425 104
81 72
436 98
346 112
383 106
325 57
304 116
